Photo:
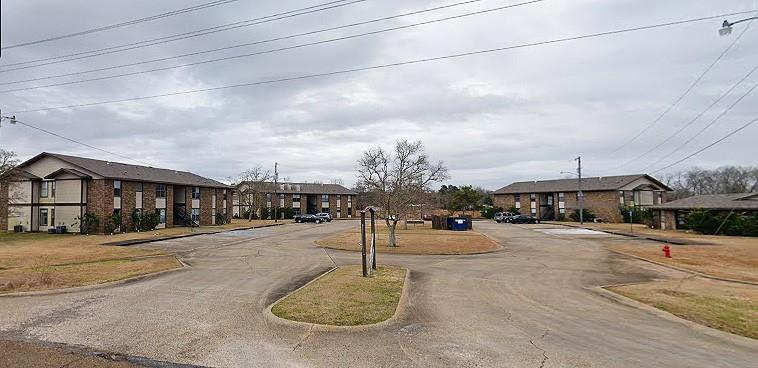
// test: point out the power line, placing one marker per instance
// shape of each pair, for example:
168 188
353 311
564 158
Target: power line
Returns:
683 95
703 129
384 66
693 120
278 49
180 36
28 125
287 37
124 24
733 132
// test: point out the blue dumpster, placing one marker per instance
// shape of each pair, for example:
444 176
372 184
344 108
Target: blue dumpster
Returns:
458 223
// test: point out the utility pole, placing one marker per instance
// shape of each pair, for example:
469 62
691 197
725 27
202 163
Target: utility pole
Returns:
276 195
580 194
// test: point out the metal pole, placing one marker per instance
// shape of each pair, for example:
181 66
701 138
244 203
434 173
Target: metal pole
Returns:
373 239
581 195
363 243
276 185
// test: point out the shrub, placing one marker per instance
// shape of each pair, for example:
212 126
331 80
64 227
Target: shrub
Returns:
221 218
145 221
735 224
587 214
638 215
560 217
87 222
114 223
513 210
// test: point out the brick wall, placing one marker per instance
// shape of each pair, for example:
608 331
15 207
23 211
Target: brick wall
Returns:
169 205
3 206
669 218
148 197
100 201
128 204
605 205
206 206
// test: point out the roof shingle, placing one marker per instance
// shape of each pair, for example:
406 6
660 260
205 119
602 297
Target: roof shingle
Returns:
736 201
598 183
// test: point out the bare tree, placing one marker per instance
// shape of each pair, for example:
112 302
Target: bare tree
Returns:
8 163
727 179
252 183
397 179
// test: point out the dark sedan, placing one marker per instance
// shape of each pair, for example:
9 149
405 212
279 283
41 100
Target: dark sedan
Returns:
524 219
308 218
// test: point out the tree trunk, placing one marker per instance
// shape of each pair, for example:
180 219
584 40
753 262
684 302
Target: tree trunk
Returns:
391 226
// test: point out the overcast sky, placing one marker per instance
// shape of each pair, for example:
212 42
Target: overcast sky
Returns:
493 119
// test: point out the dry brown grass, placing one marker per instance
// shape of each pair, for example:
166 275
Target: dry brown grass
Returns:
345 298
730 307
416 240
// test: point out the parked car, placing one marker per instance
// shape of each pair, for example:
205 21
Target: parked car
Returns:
324 216
499 216
524 219
308 218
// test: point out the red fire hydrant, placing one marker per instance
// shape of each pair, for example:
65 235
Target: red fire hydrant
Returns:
666 251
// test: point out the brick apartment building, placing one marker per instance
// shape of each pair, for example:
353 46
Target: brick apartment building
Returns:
302 198
673 215
53 190
548 199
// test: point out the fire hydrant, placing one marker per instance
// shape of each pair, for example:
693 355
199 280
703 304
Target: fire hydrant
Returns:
666 251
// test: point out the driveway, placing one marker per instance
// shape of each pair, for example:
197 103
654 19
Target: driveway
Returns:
525 306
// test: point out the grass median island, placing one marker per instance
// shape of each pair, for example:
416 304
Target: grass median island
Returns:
40 261
344 297
415 240
727 306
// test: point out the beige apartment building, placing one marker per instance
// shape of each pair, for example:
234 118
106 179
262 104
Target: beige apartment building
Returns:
52 190
603 195
302 198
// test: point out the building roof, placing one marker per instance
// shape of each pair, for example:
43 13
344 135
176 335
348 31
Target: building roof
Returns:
121 171
64 170
598 183
735 201
307 188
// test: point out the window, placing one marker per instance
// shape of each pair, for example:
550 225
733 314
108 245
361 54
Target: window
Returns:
117 188
196 214
349 211
224 192
621 197
281 200
44 189
562 203
43 217
268 197
52 217
195 193
296 197
138 188
324 198
162 216
296 211
160 190
533 201
517 201
349 200
325 209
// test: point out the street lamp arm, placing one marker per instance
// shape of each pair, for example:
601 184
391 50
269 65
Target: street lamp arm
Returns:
729 24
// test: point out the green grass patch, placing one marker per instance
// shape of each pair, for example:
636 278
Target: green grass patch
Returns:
345 298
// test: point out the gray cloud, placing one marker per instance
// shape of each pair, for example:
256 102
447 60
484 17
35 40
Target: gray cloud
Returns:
493 118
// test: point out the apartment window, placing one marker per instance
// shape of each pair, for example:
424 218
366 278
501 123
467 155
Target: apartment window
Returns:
160 190
268 197
296 211
517 201
44 190
338 197
281 200
117 188
195 192
621 197
196 214
138 187
533 201
43 217
296 198
224 193
562 202
162 216
349 200
325 209
349 211
324 198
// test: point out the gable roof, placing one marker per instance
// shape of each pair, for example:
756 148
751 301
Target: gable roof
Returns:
64 170
307 188
734 201
121 171
590 184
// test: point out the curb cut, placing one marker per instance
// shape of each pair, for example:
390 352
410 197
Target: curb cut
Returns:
696 273
400 310
127 243
76 289
603 292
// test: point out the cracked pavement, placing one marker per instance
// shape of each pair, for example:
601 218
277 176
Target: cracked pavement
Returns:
527 305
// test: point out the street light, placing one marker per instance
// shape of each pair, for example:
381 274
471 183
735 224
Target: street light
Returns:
726 27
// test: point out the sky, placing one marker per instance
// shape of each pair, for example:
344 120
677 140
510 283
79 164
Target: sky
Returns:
494 118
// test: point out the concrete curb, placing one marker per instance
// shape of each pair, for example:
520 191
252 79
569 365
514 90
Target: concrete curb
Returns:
603 292
703 275
127 243
400 310
104 285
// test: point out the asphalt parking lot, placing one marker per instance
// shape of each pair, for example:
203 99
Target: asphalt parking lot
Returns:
528 305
